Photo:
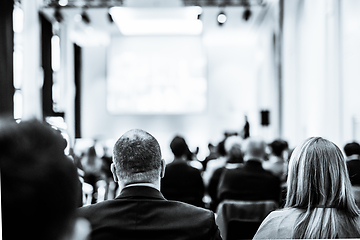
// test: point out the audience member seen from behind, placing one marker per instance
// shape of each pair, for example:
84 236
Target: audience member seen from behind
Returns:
92 165
39 184
140 211
276 163
250 182
352 151
234 160
213 154
216 163
182 182
319 202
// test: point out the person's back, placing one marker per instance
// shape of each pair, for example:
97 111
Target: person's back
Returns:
143 213
140 211
276 163
319 201
251 181
181 181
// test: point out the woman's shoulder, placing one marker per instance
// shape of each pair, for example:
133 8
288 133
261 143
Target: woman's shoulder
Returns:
285 213
278 224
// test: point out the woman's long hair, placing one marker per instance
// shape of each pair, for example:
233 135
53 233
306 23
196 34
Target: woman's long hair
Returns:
319 185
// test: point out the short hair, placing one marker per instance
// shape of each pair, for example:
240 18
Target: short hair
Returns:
179 146
137 157
254 147
278 147
39 183
352 149
318 179
233 149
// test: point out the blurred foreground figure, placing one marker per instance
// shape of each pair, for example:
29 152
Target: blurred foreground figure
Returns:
319 202
141 211
39 184
352 152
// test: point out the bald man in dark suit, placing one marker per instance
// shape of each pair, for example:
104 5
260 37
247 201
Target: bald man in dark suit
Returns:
141 211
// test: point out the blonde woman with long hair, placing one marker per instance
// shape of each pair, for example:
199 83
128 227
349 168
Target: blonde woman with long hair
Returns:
319 202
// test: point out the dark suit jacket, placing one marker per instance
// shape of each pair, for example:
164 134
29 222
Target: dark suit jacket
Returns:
353 167
184 183
143 213
250 182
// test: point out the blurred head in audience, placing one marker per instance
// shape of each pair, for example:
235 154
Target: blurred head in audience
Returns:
352 149
254 148
278 147
39 184
179 147
318 183
137 159
233 149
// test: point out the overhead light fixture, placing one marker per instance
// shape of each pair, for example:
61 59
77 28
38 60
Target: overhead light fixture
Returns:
221 18
85 17
158 21
58 15
111 20
247 14
18 18
63 3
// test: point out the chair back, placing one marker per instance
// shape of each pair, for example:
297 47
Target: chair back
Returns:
245 215
241 229
356 192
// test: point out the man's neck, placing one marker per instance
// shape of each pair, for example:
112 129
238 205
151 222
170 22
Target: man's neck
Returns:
156 186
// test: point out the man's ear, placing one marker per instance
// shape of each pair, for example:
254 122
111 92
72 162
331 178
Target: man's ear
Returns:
113 171
163 164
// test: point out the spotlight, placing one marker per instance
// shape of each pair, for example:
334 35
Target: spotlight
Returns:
85 17
63 3
247 14
57 15
221 18
110 18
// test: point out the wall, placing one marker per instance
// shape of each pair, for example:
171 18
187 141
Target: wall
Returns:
237 62
320 63
351 60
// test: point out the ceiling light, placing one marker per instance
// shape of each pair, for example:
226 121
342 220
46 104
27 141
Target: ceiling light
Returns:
63 3
221 18
157 21
247 14
85 17
111 20
58 15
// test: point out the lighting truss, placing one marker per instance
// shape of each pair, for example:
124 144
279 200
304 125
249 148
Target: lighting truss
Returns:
112 3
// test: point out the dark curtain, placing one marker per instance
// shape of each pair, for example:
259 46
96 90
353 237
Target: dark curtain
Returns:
47 95
6 58
77 69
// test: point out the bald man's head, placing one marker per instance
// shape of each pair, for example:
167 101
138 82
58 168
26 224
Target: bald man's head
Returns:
137 157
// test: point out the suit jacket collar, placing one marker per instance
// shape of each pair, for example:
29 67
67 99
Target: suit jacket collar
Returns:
140 192
253 164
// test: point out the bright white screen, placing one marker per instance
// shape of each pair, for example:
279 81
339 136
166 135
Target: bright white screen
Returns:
156 75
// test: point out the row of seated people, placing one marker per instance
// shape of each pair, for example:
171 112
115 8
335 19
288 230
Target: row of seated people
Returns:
40 184
185 178
246 173
241 170
234 170
242 174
